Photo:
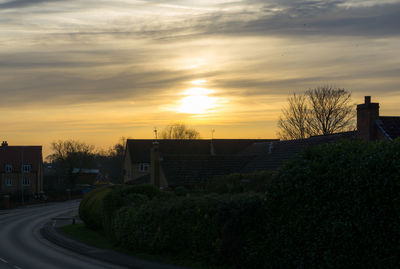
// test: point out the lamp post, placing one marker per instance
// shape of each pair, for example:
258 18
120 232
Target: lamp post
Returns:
22 175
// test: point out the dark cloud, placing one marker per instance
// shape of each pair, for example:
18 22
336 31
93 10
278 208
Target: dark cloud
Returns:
303 18
24 3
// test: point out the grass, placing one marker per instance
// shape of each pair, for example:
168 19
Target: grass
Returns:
96 238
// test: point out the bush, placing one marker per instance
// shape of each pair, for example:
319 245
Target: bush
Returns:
214 228
91 207
123 195
335 206
240 183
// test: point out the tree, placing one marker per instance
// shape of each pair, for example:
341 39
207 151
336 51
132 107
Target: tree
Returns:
70 154
111 162
179 131
320 111
293 124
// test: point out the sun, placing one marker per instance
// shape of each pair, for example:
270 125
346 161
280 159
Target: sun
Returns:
197 101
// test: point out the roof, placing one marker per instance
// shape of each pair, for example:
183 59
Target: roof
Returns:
270 156
185 170
85 171
145 179
139 149
389 126
16 155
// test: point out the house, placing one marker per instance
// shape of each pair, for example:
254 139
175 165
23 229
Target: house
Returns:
271 156
86 176
169 163
21 169
371 126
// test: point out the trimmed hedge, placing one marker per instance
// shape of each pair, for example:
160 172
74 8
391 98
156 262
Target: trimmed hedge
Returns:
91 207
123 195
98 206
333 206
213 228
336 206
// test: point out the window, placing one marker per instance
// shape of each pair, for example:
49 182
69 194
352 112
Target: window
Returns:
26 181
144 167
9 168
26 168
9 181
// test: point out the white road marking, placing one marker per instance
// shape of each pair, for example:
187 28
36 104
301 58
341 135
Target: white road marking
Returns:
3 260
16 267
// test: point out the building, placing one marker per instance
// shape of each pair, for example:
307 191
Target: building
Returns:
371 126
171 163
21 169
86 176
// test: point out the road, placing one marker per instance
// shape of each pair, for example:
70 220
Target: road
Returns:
23 247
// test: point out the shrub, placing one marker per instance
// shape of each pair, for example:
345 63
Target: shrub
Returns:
213 228
123 195
335 206
240 183
91 207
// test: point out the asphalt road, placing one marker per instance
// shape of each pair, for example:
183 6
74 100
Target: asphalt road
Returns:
23 247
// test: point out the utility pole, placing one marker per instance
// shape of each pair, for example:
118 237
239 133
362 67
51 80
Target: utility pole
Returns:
22 175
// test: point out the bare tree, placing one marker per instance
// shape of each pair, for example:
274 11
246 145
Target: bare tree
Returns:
331 110
179 131
70 154
293 123
320 111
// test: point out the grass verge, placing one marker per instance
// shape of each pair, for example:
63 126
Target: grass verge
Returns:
95 238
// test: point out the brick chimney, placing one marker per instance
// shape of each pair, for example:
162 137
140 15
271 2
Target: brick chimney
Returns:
155 165
367 114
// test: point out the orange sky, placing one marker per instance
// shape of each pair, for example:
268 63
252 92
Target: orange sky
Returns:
95 71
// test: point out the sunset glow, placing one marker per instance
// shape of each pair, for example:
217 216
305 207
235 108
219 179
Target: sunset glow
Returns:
197 101
99 70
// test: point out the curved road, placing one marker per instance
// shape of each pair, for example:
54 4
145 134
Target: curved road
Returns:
22 246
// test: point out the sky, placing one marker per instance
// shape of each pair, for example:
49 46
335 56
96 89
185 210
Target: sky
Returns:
98 70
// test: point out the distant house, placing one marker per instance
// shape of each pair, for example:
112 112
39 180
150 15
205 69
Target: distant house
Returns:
21 169
86 176
170 163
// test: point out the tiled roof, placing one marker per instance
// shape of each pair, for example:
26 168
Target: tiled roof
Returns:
188 169
139 149
389 126
13 155
270 156
145 179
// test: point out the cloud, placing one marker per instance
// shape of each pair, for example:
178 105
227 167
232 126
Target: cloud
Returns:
24 3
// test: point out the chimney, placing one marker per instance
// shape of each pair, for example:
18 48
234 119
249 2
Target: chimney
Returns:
367 114
155 165
212 149
4 144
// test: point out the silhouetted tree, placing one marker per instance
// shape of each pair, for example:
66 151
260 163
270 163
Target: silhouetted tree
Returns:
110 162
320 111
293 123
70 154
179 131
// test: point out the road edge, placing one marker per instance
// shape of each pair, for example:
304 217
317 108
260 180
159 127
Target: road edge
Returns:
49 232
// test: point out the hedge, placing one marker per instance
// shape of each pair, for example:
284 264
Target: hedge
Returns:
219 229
336 206
91 207
333 206
124 195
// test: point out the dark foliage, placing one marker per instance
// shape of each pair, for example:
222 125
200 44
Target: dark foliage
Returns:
91 207
333 206
336 206
217 229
